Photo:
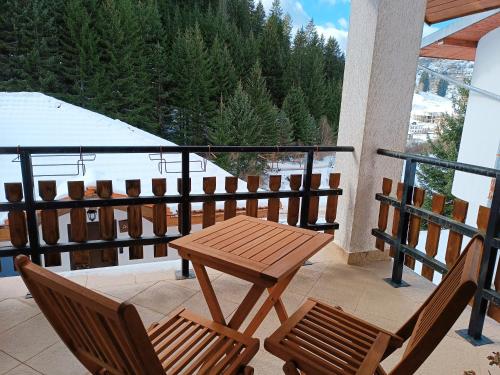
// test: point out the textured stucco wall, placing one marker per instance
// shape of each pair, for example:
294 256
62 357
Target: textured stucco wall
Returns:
481 135
382 54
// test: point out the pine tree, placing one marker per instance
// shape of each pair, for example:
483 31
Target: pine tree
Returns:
31 45
446 146
258 19
238 124
424 83
224 75
333 99
442 88
255 86
79 54
274 52
192 89
305 130
334 60
284 129
124 87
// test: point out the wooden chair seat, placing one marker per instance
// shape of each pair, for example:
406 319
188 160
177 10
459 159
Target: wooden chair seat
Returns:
322 339
189 344
108 337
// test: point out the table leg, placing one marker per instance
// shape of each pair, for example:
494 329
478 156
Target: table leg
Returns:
271 301
246 306
209 293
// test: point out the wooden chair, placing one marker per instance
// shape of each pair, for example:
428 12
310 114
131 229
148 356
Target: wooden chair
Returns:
109 338
321 339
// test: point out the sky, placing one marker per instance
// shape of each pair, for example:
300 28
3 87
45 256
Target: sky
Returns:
330 16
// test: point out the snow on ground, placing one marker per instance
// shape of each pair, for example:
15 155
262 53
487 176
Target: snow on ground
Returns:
35 119
427 102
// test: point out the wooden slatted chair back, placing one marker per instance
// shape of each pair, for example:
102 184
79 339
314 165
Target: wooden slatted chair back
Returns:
440 311
106 336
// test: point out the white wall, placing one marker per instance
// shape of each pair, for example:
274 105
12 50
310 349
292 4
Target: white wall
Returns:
481 134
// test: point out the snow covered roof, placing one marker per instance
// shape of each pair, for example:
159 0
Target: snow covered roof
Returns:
427 102
35 119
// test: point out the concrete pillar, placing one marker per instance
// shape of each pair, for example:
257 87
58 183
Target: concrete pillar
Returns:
382 53
480 142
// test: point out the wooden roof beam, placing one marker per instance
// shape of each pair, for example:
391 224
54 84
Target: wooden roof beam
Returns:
458 43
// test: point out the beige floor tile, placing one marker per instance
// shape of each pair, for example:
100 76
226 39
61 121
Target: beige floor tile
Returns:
198 305
57 360
148 316
22 370
163 297
232 288
304 280
17 311
108 279
12 287
28 338
123 292
7 362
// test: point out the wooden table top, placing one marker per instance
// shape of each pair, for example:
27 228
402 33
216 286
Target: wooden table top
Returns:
259 251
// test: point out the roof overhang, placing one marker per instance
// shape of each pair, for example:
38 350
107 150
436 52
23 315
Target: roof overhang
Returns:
443 10
459 40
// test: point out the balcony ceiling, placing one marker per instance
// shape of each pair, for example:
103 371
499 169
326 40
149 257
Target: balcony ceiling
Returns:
460 43
443 10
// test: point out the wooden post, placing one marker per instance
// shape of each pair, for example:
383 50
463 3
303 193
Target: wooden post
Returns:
312 216
273 204
454 244
414 226
294 202
231 185
383 213
17 219
78 220
106 219
332 201
395 217
179 207
134 218
209 185
433 234
252 204
159 187
50 221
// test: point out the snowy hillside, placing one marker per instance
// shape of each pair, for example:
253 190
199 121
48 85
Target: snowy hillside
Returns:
427 102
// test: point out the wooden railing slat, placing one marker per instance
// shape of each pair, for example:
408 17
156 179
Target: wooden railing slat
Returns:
159 187
332 201
433 235
209 186
78 220
294 202
273 204
312 217
106 219
383 213
134 218
252 204
395 217
17 219
414 226
231 185
454 244
49 221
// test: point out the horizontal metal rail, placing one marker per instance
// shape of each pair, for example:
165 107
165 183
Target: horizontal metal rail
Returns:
463 167
143 200
167 149
492 296
415 253
89 245
443 221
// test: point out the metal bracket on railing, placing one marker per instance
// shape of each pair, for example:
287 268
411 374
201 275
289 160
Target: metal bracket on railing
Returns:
163 162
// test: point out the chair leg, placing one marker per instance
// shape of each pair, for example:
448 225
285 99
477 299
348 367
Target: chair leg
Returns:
246 370
289 368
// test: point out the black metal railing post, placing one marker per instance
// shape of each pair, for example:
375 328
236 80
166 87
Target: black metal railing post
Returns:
404 217
480 306
185 214
306 198
29 199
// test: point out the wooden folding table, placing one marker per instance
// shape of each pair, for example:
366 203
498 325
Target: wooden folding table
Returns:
265 253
